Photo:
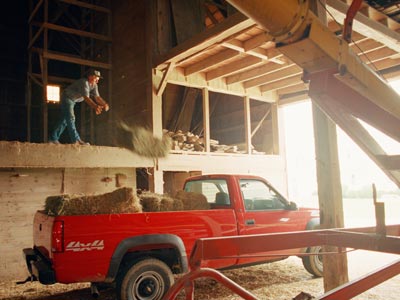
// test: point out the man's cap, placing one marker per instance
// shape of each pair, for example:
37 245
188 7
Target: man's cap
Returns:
95 73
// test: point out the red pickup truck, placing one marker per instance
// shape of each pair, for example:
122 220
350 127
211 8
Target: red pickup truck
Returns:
140 252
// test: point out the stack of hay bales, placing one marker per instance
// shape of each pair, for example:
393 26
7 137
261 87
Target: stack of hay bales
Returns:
119 201
123 201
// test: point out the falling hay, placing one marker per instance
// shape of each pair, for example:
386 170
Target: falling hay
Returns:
142 141
119 201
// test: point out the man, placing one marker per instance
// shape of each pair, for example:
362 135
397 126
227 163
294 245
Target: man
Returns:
84 89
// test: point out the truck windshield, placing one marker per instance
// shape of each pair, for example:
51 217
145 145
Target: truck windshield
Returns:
259 196
215 190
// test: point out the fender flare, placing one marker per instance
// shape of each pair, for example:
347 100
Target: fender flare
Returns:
148 239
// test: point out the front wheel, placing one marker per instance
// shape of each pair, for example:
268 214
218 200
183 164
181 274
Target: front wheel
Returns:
313 261
148 279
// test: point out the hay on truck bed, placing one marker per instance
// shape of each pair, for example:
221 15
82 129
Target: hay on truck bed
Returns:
152 202
192 201
119 201
123 201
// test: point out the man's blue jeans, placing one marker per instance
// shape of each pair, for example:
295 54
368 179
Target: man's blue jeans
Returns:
67 120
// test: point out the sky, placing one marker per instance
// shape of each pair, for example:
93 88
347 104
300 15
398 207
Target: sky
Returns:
356 168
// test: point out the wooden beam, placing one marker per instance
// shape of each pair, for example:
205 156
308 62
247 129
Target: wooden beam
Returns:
255 72
260 122
247 124
390 162
217 34
87 5
262 39
366 25
300 88
35 37
77 32
71 59
217 85
343 114
55 78
272 76
164 79
241 65
33 13
211 61
281 83
329 194
206 119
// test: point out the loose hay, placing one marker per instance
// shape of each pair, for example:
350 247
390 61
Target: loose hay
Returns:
119 201
142 141
192 201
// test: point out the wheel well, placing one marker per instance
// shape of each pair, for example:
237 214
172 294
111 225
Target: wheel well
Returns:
170 256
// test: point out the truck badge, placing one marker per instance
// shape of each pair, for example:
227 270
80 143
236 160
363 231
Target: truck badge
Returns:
79 246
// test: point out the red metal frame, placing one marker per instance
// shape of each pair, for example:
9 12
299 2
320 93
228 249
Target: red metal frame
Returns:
348 21
239 246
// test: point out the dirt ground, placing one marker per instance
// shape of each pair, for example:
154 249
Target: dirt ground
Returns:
278 281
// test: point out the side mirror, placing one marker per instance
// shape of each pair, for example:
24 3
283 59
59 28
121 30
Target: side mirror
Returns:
292 206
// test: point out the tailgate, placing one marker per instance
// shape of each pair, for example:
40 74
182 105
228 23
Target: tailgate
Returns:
42 232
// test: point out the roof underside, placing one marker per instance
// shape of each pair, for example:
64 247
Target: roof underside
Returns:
236 56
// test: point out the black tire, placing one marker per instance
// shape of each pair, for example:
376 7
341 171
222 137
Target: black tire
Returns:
147 279
313 263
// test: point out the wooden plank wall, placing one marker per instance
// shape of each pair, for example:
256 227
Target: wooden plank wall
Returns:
24 190
131 65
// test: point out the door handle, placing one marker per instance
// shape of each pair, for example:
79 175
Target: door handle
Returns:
250 222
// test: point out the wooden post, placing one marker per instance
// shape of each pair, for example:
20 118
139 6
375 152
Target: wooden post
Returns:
247 124
329 187
206 119
45 72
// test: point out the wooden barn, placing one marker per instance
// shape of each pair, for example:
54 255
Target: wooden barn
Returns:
213 75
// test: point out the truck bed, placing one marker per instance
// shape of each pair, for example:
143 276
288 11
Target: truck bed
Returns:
93 239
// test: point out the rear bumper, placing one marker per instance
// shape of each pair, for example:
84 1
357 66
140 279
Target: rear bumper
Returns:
39 268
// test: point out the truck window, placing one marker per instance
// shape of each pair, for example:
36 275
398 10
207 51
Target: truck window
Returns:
215 190
259 196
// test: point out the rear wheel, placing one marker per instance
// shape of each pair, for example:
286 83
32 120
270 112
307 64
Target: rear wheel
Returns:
148 279
313 261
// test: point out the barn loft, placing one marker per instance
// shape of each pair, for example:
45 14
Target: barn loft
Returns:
218 70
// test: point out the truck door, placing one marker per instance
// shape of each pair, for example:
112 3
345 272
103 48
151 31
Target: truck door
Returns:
266 211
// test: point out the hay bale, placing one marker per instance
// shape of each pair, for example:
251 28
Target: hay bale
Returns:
167 203
119 201
192 200
142 141
178 205
150 201
55 204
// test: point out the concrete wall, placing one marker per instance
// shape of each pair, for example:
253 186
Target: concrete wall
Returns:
24 190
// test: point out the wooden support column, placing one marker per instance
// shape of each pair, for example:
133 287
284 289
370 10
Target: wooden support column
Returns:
156 180
44 62
206 119
247 124
329 194
329 185
276 132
